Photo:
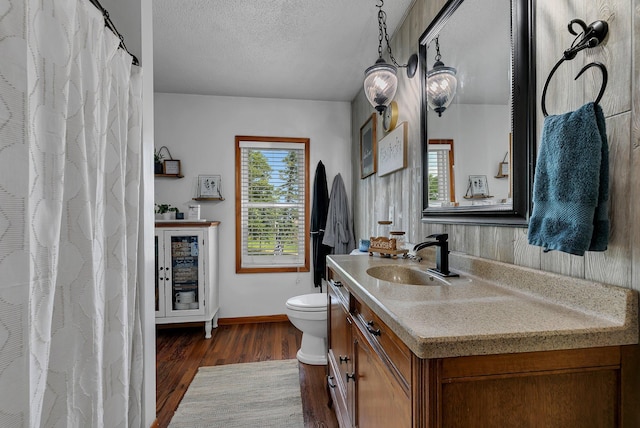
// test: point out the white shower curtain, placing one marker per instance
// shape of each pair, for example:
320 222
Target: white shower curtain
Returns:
70 141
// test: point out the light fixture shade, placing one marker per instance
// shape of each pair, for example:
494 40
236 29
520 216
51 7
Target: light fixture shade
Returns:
380 84
442 85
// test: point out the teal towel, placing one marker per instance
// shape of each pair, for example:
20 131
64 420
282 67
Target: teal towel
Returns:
571 183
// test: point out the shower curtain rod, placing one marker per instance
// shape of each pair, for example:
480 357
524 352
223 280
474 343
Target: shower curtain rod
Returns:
112 27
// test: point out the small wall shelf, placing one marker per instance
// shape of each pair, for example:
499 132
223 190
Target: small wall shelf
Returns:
170 175
478 197
208 199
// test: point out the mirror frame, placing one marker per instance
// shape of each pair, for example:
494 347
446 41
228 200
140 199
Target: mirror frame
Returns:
523 123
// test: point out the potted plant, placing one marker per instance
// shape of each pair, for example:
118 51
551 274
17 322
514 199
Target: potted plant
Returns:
157 161
165 210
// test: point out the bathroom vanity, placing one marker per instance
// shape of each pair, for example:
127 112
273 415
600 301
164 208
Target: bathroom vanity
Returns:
499 346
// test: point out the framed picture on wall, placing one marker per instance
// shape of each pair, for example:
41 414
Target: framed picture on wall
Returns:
368 147
210 186
171 167
479 186
392 151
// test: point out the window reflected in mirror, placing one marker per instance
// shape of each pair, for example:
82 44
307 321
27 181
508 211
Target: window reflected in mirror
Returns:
441 177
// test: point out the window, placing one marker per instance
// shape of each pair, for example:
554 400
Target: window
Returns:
272 204
440 164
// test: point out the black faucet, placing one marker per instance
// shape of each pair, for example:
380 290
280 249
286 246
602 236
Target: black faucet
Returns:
442 253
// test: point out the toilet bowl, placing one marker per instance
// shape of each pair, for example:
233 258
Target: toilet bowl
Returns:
308 313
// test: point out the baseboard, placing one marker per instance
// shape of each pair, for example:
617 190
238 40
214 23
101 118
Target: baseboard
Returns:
230 321
194 324
253 320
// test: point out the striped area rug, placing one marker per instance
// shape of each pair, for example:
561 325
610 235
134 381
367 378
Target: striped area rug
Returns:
264 394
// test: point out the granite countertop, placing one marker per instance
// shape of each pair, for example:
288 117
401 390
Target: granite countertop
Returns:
493 308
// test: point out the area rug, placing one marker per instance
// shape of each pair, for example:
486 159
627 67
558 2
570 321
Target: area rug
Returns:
263 394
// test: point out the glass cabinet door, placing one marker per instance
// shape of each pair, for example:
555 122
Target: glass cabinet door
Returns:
185 262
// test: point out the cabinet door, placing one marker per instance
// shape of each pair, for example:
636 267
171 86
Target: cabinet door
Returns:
160 276
380 399
185 254
340 357
341 338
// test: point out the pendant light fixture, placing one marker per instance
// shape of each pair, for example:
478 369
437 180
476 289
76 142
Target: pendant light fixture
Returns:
381 82
441 84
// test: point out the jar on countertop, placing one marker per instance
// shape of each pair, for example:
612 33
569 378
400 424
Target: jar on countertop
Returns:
384 227
399 236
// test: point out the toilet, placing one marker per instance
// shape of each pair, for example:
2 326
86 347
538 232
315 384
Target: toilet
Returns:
308 313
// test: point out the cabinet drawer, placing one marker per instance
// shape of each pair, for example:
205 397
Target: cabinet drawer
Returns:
377 332
341 291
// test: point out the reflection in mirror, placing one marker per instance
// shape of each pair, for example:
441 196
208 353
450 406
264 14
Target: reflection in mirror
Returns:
441 182
489 118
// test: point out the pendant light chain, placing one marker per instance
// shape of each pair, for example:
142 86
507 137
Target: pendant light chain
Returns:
438 56
382 27
381 80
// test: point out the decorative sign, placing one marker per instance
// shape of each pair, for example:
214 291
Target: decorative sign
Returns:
392 150
385 246
171 167
382 243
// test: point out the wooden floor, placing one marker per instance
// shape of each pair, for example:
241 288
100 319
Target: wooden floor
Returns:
180 351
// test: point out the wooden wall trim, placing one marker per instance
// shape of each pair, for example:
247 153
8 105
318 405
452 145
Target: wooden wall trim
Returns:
230 321
253 320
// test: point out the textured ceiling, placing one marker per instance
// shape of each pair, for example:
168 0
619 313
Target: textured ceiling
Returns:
298 49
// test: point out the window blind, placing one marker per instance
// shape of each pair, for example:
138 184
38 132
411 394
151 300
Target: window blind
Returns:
438 169
273 204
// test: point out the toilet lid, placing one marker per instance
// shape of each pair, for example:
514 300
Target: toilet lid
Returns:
314 302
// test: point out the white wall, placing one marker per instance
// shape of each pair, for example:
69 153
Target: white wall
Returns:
126 15
200 131
479 145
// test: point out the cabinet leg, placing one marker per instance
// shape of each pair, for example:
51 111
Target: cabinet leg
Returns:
215 320
207 329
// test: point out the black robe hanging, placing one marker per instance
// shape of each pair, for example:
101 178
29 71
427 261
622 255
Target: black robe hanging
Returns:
319 209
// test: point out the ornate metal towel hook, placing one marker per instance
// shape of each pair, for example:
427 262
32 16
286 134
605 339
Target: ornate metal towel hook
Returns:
592 36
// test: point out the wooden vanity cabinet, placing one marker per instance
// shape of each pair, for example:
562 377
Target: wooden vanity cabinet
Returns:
367 389
593 387
340 358
384 384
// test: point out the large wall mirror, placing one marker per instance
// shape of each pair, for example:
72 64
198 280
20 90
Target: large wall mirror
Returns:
479 150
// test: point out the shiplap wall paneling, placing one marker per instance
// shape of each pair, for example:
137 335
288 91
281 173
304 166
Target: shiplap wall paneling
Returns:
634 190
614 265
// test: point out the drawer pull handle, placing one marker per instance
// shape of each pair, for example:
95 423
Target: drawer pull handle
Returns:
329 382
336 283
343 359
351 376
371 330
